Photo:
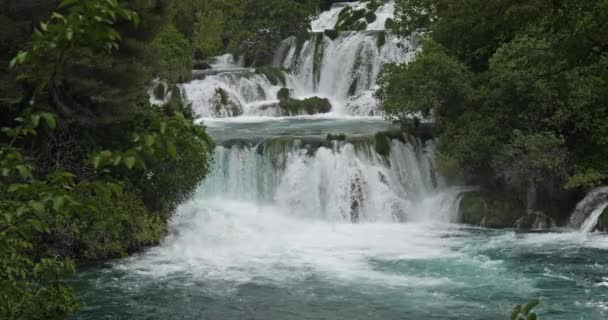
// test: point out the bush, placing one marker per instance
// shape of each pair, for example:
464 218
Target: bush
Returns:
116 225
175 54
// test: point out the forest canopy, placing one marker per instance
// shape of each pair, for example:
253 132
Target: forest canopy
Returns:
517 90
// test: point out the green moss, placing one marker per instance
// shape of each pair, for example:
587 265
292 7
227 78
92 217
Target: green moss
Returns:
283 94
370 17
332 34
336 137
223 103
389 24
318 59
490 210
382 144
275 75
222 95
301 38
309 106
381 39
373 5
160 91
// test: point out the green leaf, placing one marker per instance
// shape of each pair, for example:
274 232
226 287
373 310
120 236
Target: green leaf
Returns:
172 150
24 171
149 139
516 312
130 162
58 202
36 224
96 162
50 119
531 305
36 119
37 206
66 3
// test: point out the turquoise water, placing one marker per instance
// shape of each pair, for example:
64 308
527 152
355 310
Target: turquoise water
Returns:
349 272
287 251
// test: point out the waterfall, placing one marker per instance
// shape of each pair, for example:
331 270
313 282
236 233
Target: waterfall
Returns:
587 212
337 181
341 66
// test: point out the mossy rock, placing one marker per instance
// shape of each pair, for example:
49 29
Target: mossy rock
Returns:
390 24
314 105
602 223
331 33
160 91
535 221
489 210
370 17
336 137
201 65
382 144
381 39
374 5
224 106
275 75
283 94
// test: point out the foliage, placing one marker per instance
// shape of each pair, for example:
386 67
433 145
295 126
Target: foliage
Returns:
175 54
515 89
525 312
113 203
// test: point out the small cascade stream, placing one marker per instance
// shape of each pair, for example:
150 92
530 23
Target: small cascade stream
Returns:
587 213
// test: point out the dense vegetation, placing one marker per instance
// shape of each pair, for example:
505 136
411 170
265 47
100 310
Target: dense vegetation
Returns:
89 168
518 92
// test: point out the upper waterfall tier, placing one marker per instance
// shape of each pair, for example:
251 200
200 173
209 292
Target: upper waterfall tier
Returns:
344 69
341 66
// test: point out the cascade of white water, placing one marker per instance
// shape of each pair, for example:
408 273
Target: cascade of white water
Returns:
342 68
243 92
588 211
593 218
344 182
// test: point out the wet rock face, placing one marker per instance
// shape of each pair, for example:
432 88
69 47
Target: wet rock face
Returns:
489 210
602 224
535 220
